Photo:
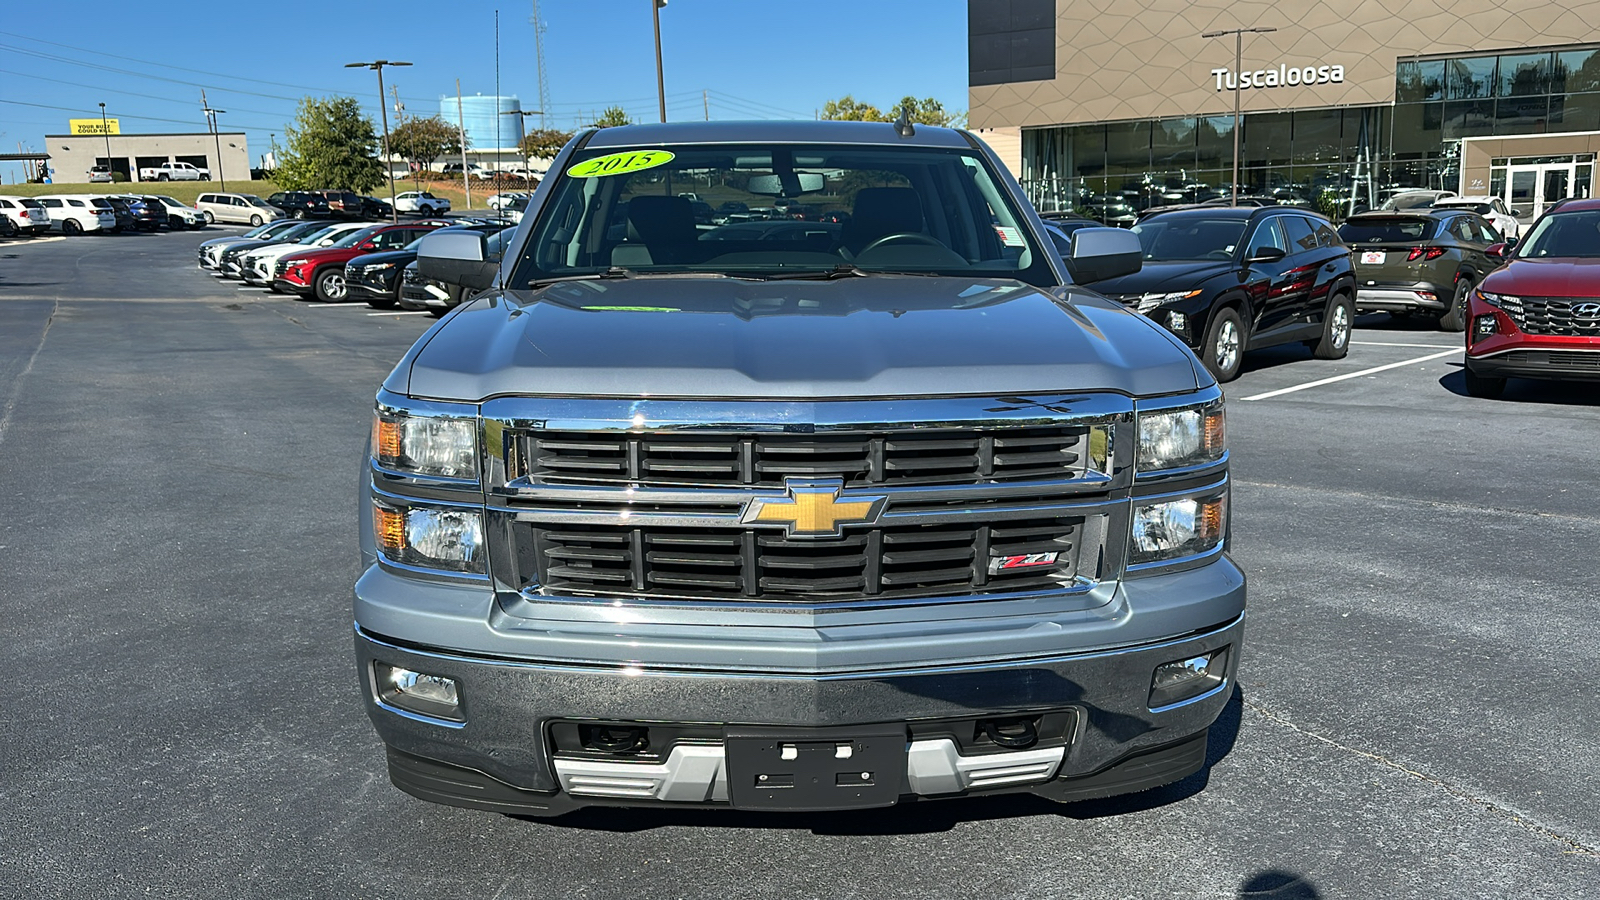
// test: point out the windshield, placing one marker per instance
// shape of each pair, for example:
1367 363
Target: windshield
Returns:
1570 235
355 237
168 201
1411 201
1189 238
1482 209
257 201
852 208
1388 231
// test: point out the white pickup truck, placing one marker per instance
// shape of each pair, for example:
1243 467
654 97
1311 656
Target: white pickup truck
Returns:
175 171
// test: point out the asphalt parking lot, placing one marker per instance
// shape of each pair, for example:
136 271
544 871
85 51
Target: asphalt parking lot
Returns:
178 462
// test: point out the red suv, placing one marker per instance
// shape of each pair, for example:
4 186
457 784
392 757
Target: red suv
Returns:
1539 315
320 272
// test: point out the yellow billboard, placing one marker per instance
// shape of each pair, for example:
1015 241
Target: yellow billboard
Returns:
93 126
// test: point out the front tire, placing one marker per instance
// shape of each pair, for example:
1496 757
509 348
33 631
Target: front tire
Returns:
1336 325
1484 386
330 286
1455 318
1224 348
255 221
425 211
210 219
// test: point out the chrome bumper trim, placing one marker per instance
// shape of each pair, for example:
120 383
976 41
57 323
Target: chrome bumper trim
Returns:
697 774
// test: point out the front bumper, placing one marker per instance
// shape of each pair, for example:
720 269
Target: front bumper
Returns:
1561 364
363 286
504 755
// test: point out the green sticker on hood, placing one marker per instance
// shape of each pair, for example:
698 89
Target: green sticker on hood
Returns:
620 163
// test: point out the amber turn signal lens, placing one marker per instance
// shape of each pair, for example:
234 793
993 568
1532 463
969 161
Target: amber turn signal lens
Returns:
1213 517
386 438
1216 434
389 527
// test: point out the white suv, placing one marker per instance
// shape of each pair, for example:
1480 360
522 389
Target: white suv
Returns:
23 215
77 213
421 202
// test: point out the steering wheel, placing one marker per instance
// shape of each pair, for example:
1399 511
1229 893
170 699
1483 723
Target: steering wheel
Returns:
900 236
1224 255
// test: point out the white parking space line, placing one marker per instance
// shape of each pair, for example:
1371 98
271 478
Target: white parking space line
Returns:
1392 344
407 313
1322 381
336 306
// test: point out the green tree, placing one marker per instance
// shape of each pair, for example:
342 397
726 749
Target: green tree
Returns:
613 117
421 141
849 109
330 145
926 111
544 143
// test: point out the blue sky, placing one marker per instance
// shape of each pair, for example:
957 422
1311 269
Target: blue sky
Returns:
755 58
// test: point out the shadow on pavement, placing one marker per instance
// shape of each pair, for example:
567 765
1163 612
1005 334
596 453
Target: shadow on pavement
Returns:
1528 390
1278 884
929 817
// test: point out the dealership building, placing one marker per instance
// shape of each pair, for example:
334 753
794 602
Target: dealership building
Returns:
73 155
1094 100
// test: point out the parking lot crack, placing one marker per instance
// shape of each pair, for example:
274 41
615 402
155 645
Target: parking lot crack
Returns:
16 385
1572 845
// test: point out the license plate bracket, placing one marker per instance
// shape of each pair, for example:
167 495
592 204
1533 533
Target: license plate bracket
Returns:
815 768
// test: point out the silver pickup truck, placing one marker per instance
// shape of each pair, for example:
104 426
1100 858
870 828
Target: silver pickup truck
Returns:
860 504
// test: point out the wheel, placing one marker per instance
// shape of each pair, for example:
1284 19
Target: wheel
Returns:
8 228
1484 386
1455 318
330 286
70 227
298 214
210 219
381 302
1335 341
1224 348
425 210
255 221
163 177
174 222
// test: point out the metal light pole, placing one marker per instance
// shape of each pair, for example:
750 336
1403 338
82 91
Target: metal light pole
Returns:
524 113
377 66
661 85
1238 63
105 129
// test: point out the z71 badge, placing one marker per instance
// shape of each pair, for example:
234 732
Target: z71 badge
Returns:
1025 561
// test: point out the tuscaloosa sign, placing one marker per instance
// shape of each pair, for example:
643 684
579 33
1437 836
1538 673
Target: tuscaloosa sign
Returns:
1282 76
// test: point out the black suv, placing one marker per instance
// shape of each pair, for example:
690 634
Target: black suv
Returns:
301 204
344 204
1230 279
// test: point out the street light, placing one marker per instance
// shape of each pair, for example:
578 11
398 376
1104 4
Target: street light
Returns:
661 87
105 129
1238 63
524 113
377 66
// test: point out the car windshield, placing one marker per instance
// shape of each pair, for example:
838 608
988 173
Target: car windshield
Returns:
1388 231
169 201
1410 201
1482 209
257 201
1569 235
912 210
1188 238
354 237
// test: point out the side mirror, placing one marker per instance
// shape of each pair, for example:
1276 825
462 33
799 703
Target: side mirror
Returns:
457 257
1266 255
368 245
1497 251
1516 211
1099 254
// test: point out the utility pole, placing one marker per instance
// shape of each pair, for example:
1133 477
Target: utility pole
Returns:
524 113
105 129
461 125
383 108
661 85
211 116
1238 63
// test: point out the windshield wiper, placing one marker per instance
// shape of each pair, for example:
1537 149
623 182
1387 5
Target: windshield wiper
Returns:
613 273
842 270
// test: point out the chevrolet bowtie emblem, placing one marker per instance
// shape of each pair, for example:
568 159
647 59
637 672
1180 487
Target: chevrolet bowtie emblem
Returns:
813 509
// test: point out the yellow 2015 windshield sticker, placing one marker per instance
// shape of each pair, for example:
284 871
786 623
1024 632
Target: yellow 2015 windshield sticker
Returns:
620 163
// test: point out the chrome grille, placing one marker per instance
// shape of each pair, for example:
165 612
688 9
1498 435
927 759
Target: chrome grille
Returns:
750 564
1555 315
933 456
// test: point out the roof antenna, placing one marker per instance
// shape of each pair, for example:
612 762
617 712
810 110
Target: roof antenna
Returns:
902 125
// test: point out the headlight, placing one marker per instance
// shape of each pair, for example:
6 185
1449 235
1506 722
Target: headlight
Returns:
1178 438
378 267
426 445
291 263
1148 302
1174 529
1503 301
429 537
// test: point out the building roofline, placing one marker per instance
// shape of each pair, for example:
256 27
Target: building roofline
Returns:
152 134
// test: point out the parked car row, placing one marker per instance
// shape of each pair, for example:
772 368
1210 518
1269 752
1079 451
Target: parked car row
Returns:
336 261
73 214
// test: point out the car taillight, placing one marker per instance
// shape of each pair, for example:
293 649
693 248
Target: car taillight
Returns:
23 213
1424 253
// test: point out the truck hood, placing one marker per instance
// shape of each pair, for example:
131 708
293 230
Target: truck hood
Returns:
1569 277
872 336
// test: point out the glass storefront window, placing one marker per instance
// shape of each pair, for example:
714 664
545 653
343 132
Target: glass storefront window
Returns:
1173 144
1521 115
1127 147
1471 78
1419 80
1575 112
1469 118
1576 72
1318 136
1524 75
1215 142
1088 150
1267 139
1418 128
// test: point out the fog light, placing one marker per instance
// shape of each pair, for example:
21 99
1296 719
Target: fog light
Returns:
434 696
1485 326
1177 321
1185 679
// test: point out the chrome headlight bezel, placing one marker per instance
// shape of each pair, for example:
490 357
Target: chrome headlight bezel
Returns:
428 537
433 441
1148 302
1181 437
1177 528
